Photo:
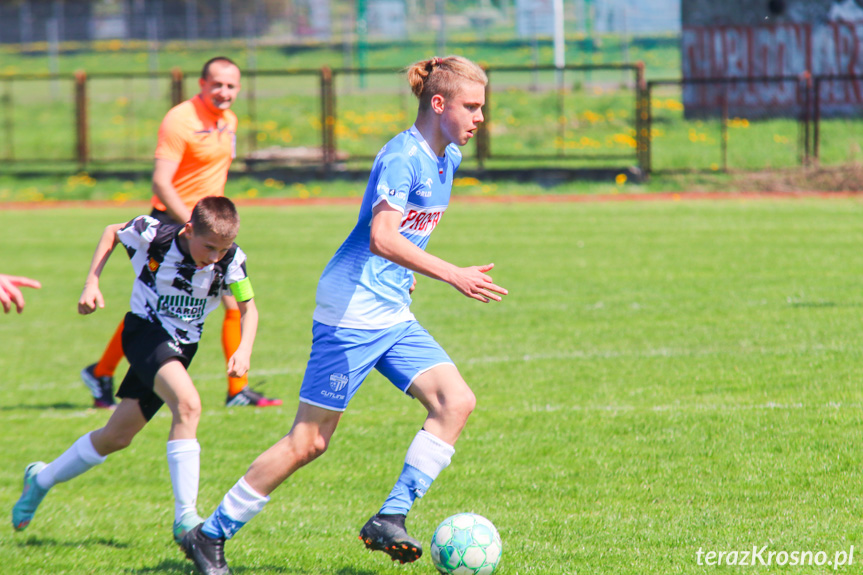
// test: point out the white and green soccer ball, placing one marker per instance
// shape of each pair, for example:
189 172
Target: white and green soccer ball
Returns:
466 544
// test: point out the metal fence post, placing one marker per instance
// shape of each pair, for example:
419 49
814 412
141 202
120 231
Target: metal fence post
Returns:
328 120
82 147
723 126
176 86
646 128
642 126
816 121
8 125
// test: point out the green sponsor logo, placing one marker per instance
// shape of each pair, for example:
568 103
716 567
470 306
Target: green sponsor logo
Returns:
182 307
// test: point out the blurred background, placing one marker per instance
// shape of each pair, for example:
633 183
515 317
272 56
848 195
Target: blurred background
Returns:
588 89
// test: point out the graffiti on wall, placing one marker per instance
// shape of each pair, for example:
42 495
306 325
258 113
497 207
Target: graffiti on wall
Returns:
750 54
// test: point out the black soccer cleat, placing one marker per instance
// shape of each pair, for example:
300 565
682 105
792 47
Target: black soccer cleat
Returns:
207 553
248 396
102 388
387 533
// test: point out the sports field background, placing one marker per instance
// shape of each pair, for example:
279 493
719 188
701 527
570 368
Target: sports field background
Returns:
663 377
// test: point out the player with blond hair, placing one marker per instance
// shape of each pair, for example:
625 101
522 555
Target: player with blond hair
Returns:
363 320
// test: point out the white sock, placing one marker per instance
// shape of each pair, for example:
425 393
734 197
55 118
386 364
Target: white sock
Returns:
429 454
80 457
242 502
184 462
237 508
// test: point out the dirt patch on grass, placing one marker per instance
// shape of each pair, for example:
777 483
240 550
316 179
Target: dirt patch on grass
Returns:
846 178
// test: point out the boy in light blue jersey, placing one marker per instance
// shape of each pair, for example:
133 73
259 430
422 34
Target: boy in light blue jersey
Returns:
363 320
363 291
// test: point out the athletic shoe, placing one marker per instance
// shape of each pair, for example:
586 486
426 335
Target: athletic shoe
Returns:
186 524
24 510
387 533
248 396
102 388
207 553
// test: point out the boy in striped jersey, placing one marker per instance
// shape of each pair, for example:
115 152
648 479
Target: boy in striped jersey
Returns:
181 273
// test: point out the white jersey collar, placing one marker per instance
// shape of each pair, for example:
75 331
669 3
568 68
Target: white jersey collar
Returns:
423 144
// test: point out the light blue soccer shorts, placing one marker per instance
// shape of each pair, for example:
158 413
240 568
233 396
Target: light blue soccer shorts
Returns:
342 358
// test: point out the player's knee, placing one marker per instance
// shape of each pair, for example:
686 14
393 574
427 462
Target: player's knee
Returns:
116 442
460 406
467 403
313 448
189 411
319 446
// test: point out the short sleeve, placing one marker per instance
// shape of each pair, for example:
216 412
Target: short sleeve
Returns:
138 233
172 139
395 181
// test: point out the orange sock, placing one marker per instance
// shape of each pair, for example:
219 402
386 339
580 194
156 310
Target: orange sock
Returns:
111 356
231 335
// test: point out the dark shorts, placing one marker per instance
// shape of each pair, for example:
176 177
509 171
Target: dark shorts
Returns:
147 347
163 217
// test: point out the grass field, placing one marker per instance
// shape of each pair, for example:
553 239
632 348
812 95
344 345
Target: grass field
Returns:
665 377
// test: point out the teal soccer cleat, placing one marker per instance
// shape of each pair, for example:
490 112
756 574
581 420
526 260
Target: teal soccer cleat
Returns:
31 497
186 524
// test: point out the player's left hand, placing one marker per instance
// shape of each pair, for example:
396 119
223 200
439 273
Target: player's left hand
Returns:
413 285
238 365
90 299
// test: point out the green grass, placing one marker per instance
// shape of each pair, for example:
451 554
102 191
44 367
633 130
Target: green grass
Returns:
662 378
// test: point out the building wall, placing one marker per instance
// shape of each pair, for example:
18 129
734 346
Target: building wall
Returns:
771 39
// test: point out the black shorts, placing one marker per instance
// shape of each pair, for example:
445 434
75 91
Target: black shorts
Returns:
147 347
163 217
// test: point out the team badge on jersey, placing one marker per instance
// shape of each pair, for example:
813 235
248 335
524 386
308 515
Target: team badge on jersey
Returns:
153 265
338 381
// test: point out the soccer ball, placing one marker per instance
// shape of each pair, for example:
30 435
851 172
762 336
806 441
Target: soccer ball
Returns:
466 544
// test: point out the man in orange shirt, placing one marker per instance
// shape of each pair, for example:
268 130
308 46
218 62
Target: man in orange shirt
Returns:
197 142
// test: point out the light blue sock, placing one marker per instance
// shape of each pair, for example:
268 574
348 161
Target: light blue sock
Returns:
238 506
412 483
427 456
219 525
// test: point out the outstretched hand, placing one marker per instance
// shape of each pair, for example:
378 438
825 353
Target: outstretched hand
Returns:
90 299
10 294
475 283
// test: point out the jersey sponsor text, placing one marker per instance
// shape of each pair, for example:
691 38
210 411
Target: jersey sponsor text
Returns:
420 222
185 308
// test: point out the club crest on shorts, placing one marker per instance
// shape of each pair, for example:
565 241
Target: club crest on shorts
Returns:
338 381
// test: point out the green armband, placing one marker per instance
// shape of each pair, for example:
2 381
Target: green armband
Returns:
242 290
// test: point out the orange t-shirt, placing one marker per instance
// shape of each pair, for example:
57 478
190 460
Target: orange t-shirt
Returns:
203 143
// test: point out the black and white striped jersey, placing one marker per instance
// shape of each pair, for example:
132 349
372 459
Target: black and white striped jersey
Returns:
169 289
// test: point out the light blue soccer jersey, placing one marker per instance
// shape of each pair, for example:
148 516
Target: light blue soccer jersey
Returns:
360 290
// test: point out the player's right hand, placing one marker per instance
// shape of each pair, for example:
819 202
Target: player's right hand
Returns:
91 298
10 294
